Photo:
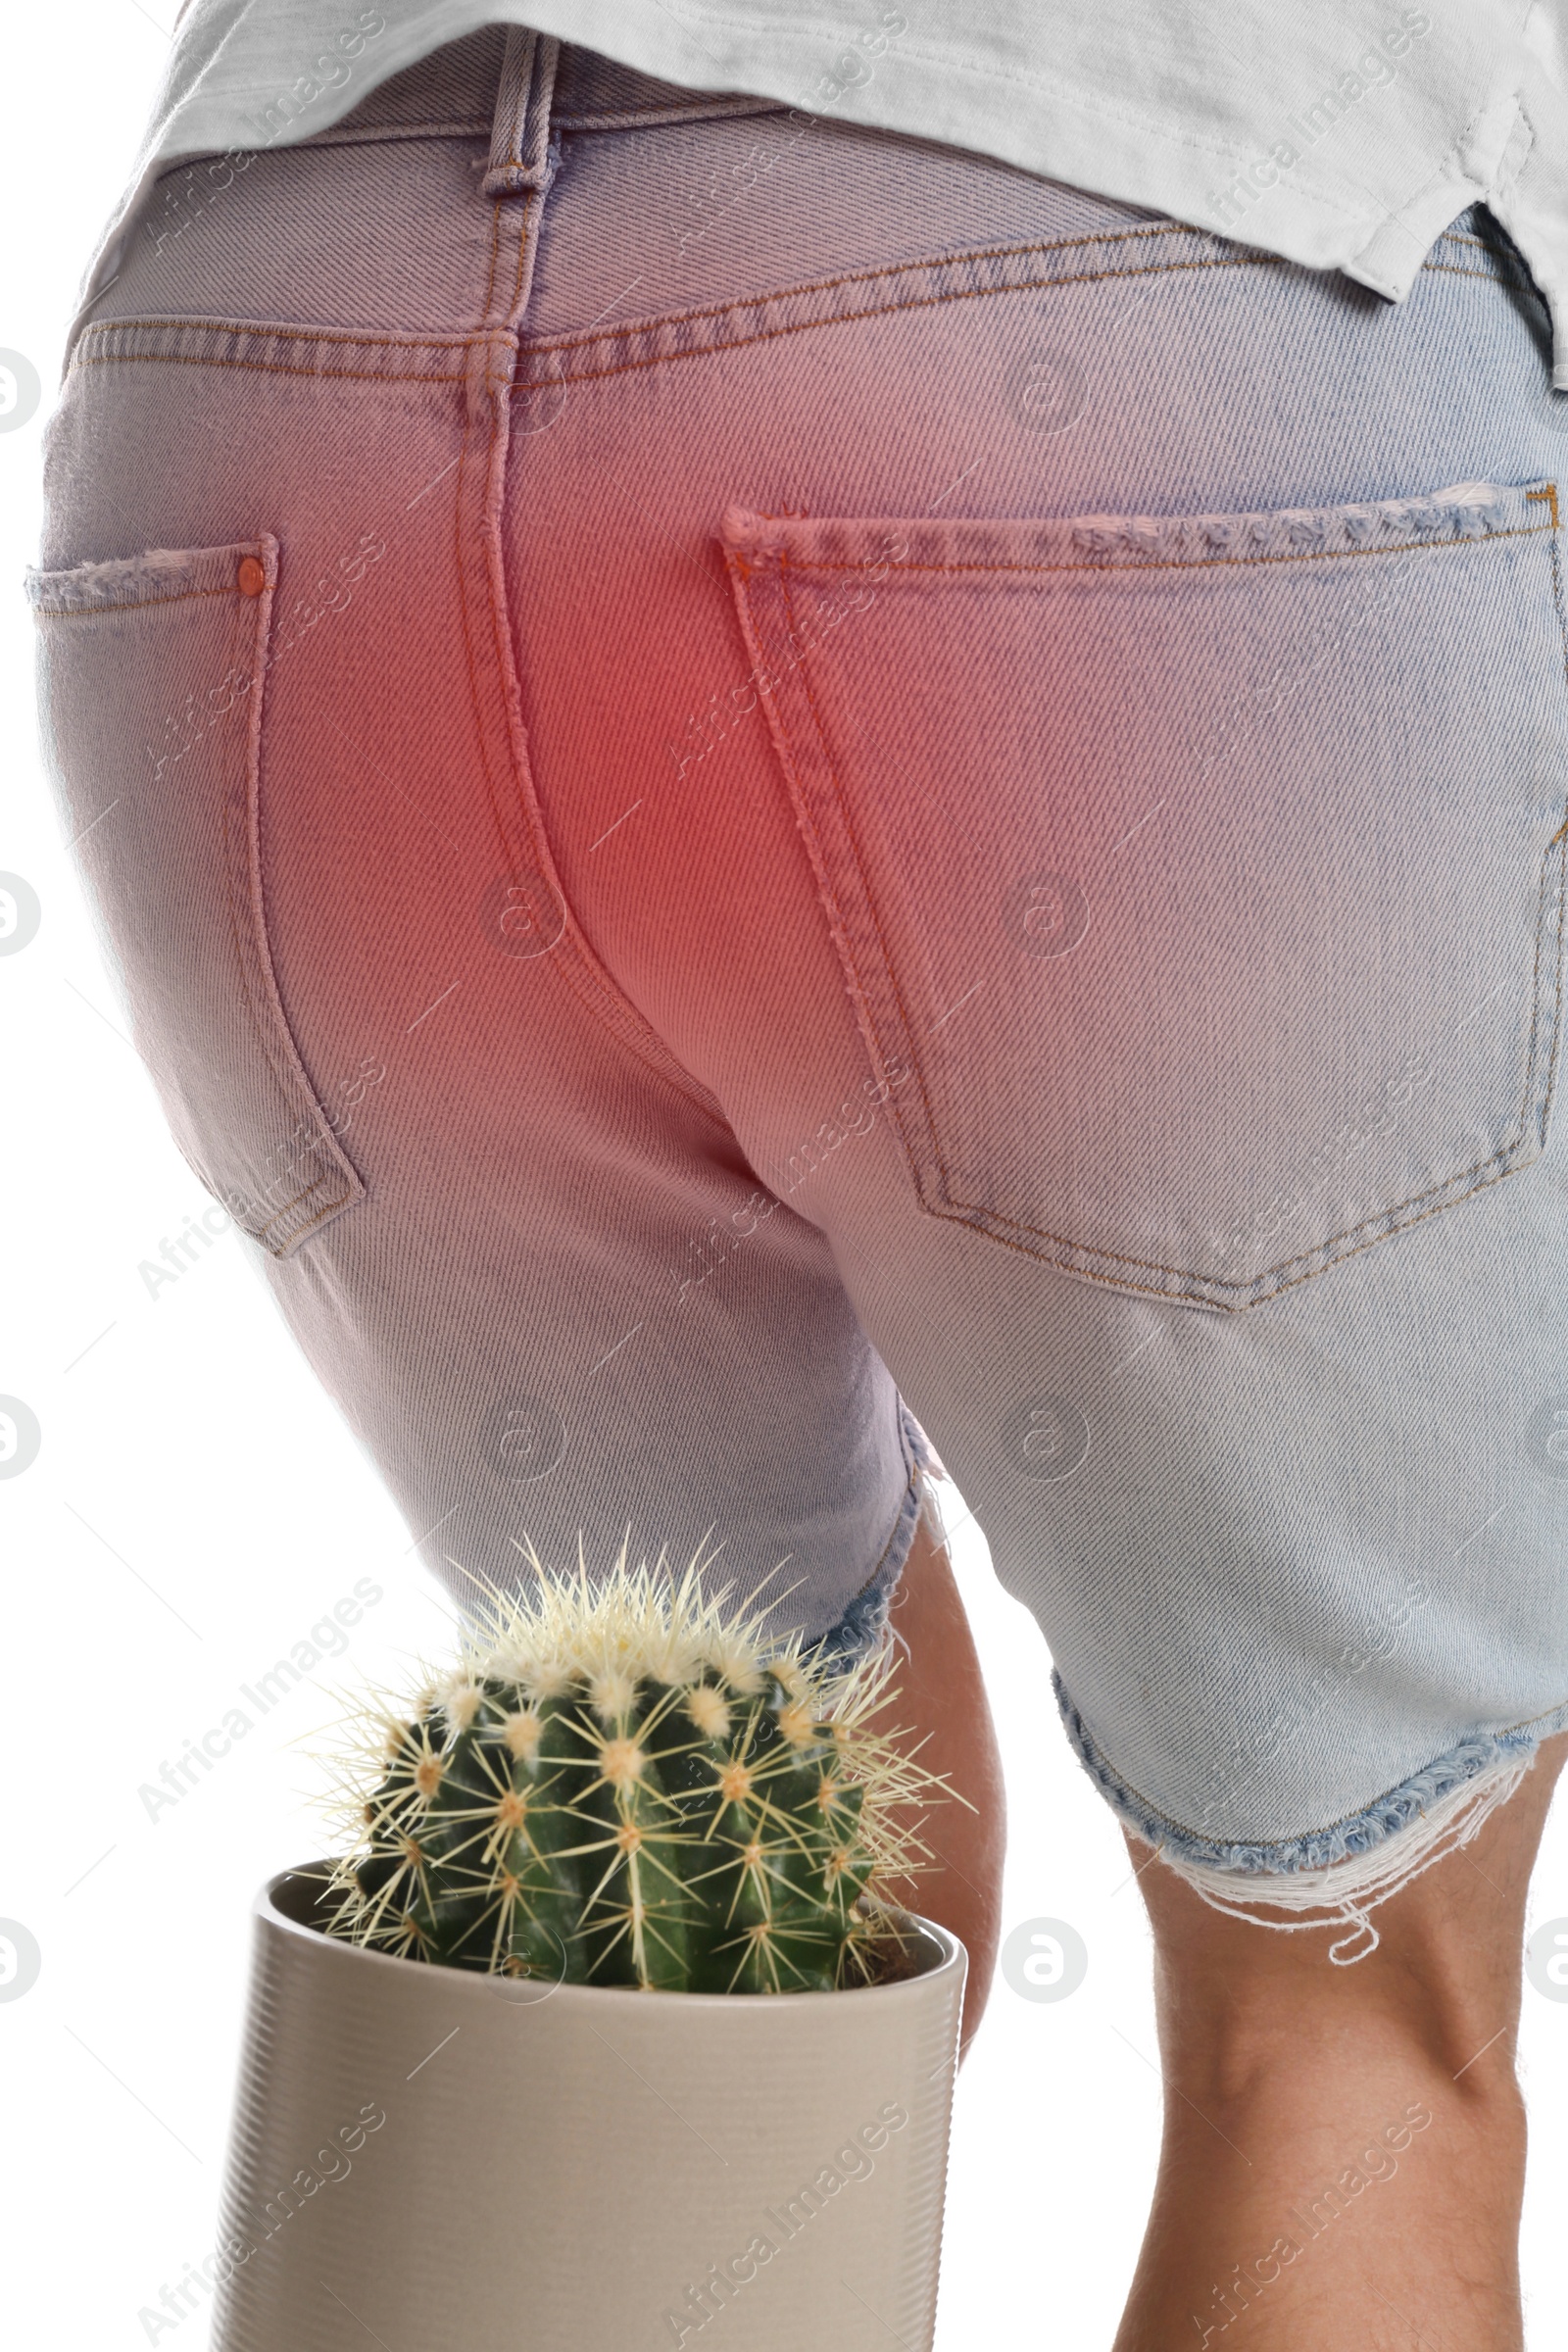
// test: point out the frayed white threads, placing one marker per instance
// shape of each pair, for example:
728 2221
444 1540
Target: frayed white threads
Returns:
1344 1894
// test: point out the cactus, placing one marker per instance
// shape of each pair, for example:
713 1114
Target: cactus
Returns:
621 1784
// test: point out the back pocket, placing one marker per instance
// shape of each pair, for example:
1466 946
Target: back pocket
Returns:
1205 873
152 674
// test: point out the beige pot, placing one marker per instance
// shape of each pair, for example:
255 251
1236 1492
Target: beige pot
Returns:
445 2162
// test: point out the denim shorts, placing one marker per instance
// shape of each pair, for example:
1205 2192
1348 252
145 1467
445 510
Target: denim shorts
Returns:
741 769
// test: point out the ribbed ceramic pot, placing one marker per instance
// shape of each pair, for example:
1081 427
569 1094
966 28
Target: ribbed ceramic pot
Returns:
429 2158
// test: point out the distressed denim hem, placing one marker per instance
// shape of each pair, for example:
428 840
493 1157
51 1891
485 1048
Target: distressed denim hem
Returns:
1311 1849
1342 1871
863 1624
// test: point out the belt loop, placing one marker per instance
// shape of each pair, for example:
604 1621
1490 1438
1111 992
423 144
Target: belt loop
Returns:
519 141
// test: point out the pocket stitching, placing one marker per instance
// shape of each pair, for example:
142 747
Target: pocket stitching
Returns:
1336 1249
1486 1172
236 862
840 927
247 912
1304 555
239 823
134 604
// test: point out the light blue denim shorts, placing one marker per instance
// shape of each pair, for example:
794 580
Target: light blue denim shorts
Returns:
774 787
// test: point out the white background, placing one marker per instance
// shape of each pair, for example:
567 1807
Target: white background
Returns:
196 1507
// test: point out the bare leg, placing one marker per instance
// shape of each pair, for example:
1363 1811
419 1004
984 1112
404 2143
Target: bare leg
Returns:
1367 2116
941 1693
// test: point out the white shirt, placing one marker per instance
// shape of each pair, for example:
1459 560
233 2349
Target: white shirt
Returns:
1340 136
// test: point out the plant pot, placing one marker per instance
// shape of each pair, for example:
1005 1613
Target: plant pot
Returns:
426 2157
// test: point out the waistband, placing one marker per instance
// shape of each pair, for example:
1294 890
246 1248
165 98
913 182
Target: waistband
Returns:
459 90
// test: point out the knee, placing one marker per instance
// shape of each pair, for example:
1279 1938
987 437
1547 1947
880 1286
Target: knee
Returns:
1245 2002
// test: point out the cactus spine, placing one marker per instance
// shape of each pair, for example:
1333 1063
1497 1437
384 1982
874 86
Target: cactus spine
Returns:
620 1784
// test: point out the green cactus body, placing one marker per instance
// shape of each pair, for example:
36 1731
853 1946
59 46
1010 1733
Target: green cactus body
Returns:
638 1912
622 1785
540 1889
